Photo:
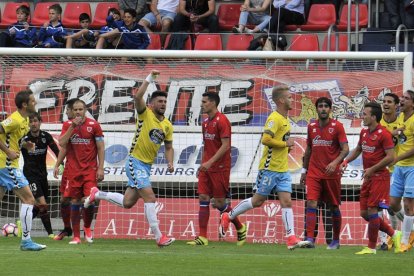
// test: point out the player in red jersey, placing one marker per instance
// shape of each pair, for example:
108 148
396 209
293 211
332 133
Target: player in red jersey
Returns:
64 184
86 154
327 148
214 172
377 148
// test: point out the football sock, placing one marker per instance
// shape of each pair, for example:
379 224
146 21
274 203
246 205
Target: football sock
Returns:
336 224
394 221
400 214
151 215
203 217
65 209
310 222
287 217
227 208
406 228
386 229
87 214
75 218
35 211
45 217
243 206
26 217
373 226
115 198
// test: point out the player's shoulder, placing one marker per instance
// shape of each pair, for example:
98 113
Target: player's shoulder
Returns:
221 118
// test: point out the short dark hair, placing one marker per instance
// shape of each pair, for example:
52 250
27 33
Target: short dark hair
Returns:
394 96
158 93
114 10
132 12
84 16
22 97
24 9
35 115
212 96
411 92
376 110
57 8
69 103
323 100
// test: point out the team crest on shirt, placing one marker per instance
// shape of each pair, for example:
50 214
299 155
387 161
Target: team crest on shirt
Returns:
314 130
270 124
44 140
89 129
374 137
330 130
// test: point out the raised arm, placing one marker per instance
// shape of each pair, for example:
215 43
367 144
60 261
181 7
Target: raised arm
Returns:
140 105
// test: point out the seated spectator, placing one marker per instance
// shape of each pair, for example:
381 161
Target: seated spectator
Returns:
21 34
191 13
83 38
286 12
113 21
162 14
140 6
128 35
254 12
52 34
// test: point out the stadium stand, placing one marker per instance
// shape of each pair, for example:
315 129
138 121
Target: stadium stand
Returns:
72 11
208 42
304 42
321 16
228 16
41 13
101 12
363 17
9 15
155 42
343 43
238 42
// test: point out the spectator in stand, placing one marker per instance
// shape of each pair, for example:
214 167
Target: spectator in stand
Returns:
162 14
112 22
286 12
21 34
140 6
200 12
52 34
83 38
128 35
253 12
400 12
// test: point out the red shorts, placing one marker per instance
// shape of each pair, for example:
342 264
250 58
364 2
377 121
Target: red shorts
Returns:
64 184
214 184
326 190
81 184
375 192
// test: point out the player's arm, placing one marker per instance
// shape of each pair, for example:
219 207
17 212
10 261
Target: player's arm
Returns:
334 164
59 161
52 145
225 146
169 155
100 145
139 96
305 166
387 160
112 33
353 155
404 155
10 154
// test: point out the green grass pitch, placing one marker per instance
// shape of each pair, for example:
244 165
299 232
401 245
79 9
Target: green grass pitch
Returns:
143 257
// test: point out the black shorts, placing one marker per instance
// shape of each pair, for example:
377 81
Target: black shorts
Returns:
39 187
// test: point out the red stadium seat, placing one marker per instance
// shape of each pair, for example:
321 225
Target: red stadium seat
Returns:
72 12
9 15
41 13
291 28
304 42
239 42
208 42
187 46
228 16
363 17
101 13
321 16
343 43
155 42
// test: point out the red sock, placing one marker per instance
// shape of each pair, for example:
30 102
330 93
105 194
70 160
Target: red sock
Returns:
88 214
65 212
386 228
203 217
235 221
336 224
75 218
373 228
311 222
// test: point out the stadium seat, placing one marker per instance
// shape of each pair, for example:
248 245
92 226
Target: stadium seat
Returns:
72 12
239 42
9 15
187 46
41 13
363 17
101 12
321 16
304 42
155 42
228 16
343 43
208 42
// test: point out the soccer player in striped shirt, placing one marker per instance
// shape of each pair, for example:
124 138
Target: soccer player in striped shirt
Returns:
273 173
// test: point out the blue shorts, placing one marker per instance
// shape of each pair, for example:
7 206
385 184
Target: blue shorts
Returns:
402 184
269 182
138 173
12 178
152 19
